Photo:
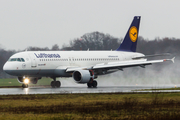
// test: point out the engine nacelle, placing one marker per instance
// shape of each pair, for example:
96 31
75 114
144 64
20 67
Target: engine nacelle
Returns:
83 76
29 80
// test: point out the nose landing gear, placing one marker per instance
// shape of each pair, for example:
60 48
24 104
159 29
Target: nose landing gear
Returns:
24 85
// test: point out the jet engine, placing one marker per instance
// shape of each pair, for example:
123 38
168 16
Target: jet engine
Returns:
26 80
83 76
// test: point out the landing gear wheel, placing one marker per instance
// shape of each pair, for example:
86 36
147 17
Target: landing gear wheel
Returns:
58 84
89 85
53 84
94 84
25 85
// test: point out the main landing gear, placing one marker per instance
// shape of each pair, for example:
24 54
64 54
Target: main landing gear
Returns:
55 84
92 83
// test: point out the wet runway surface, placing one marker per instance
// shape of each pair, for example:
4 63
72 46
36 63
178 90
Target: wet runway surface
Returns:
64 90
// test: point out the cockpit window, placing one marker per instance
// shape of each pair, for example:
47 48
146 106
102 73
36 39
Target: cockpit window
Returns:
12 59
16 59
22 60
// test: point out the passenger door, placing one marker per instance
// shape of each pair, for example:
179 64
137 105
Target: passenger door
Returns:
33 60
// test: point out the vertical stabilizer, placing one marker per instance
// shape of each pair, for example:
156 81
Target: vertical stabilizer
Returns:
130 40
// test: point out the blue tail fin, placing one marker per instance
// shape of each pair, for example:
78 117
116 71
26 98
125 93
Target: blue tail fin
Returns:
130 40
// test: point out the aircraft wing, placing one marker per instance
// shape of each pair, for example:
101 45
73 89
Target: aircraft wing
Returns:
120 65
155 55
125 64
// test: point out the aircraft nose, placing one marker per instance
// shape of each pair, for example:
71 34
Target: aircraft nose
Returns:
9 69
6 67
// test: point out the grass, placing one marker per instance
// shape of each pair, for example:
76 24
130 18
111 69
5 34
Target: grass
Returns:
91 106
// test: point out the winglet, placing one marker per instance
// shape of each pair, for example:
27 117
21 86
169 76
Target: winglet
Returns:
173 59
130 40
170 59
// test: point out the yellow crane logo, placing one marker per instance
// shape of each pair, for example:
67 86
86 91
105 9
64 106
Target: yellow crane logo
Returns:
133 33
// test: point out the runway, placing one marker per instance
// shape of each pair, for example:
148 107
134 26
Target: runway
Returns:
71 90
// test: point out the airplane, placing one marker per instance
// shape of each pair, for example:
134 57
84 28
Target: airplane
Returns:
83 66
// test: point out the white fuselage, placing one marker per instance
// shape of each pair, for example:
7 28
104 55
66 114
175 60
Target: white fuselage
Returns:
54 63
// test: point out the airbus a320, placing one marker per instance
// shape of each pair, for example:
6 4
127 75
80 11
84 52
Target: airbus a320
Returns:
82 66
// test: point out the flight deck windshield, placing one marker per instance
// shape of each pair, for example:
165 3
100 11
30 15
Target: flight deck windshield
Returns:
16 59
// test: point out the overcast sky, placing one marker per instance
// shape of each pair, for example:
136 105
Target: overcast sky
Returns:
43 23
